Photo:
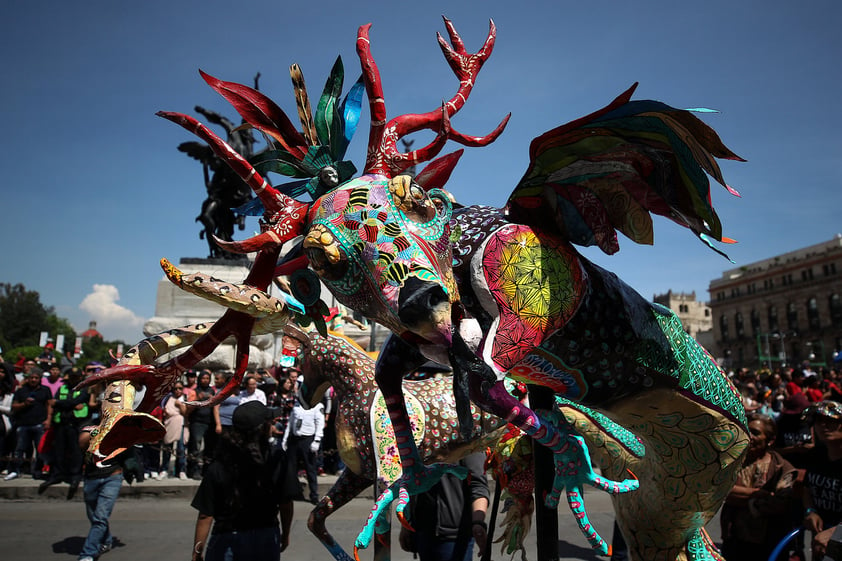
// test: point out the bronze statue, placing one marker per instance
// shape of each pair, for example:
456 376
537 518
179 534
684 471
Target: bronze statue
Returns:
226 191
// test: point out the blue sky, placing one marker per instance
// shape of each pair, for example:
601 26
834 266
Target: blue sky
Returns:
94 192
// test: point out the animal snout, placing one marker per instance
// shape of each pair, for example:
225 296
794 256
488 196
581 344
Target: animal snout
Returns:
417 300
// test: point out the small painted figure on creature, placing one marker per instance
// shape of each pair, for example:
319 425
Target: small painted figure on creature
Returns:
503 293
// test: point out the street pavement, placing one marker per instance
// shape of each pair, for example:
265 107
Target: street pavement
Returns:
154 521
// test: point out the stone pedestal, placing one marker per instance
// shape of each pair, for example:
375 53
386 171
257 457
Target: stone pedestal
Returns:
177 308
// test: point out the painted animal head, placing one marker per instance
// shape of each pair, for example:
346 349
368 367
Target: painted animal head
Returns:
379 242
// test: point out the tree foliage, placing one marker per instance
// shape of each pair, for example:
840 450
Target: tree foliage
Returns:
23 317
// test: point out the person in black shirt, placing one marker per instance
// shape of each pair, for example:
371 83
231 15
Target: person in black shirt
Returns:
242 493
450 517
31 410
823 480
200 419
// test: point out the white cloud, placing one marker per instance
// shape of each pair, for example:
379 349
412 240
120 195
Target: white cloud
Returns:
102 306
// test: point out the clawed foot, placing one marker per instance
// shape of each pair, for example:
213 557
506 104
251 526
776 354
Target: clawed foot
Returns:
573 470
414 480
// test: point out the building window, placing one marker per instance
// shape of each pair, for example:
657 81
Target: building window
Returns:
813 313
723 327
791 316
739 329
773 319
707 312
755 322
807 274
835 310
829 269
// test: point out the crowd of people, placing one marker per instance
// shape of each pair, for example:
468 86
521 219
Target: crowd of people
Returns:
42 415
792 476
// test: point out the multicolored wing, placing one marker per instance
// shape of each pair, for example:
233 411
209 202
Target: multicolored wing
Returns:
609 171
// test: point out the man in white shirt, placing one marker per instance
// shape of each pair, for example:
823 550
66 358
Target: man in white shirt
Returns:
252 393
302 439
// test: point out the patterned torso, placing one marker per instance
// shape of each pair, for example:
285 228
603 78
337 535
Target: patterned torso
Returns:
557 319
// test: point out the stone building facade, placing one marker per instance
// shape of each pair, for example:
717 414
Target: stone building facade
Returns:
782 310
695 316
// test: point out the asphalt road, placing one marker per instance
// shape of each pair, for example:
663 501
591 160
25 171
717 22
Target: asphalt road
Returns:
162 530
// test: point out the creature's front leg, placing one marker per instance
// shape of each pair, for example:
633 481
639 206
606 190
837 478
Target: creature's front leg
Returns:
397 359
572 461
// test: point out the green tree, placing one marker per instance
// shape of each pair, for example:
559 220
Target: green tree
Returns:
23 317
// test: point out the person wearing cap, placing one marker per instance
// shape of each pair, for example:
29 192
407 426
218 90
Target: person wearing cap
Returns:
242 493
47 358
823 480
795 436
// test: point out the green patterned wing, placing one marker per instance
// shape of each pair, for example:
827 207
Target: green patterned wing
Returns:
609 171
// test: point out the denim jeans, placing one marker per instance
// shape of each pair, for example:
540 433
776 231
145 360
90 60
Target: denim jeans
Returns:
260 544
180 463
431 548
28 435
100 496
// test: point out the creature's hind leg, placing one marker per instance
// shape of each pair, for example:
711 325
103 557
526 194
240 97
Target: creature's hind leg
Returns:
692 456
347 486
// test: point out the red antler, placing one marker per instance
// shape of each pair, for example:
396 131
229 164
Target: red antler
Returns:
383 155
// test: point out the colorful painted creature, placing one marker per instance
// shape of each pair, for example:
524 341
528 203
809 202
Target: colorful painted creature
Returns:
503 293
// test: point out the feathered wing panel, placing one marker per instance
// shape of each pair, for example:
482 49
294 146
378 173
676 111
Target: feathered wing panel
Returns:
609 171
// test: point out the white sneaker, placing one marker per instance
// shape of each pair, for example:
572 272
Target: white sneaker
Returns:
12 475
182 475
86 558
147 476
162 475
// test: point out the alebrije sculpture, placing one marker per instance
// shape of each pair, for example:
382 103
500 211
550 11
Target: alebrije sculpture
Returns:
503 293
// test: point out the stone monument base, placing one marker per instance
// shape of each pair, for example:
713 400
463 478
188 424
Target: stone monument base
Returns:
177 308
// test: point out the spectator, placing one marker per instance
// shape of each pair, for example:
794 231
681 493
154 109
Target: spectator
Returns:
102 487
31 410
450 517
70 408
242 494
834 391
7 440
251 392
53 380
200 420
302 440
823 480
794 386
795 437
267 384
226 408
812 388
175 410
284 401
47 358
28 366
191 377
754 516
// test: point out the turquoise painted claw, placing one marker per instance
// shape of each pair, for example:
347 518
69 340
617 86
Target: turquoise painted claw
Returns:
573 470
416 479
